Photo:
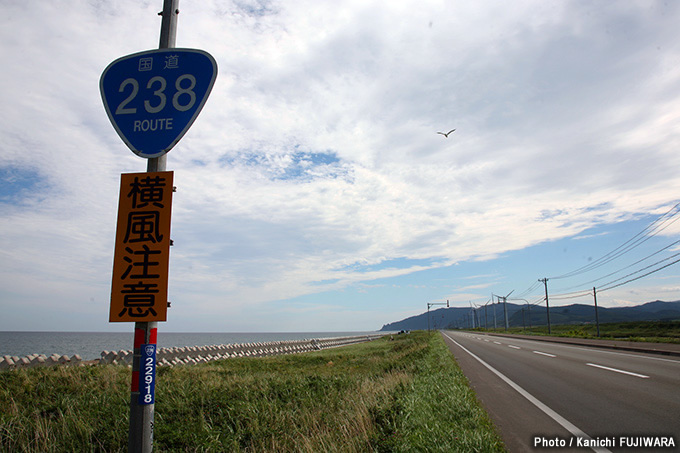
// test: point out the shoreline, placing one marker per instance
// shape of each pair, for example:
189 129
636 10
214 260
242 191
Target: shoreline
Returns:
173 356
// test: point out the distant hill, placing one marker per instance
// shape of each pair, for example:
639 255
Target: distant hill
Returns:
519 315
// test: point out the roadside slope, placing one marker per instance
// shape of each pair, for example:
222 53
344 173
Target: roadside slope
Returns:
405 394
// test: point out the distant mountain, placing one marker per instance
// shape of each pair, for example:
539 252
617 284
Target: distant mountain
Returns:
522 315
454 317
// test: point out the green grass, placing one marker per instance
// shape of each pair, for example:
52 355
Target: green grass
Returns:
648 331
401 395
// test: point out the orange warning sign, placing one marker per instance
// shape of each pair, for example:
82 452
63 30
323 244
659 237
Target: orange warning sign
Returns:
139 288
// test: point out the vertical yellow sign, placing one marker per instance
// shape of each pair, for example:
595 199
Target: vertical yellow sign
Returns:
139 289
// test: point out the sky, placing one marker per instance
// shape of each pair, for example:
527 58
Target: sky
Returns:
313 191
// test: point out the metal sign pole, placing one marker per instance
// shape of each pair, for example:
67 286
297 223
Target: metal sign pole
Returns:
140 436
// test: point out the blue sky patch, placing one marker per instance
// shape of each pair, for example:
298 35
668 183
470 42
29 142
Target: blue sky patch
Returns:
17 183
395 263
329 281
257 8
295 166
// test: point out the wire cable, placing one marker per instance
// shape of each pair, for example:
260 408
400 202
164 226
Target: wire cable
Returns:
648 232
626 267
572 296
641 270
641 276
529 290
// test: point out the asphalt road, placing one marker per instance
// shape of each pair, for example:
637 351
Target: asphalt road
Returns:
543 394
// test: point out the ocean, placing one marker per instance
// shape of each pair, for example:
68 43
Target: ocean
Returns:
89 345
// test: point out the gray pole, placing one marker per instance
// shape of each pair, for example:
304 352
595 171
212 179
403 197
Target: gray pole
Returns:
547 305
505 310
169 24
140 436
597 318
428 317
529 310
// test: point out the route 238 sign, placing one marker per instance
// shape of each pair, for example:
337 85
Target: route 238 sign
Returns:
153 97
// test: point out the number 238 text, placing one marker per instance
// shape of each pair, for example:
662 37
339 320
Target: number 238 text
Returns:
182 100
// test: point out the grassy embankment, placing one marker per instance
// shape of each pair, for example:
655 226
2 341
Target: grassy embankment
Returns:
657 332
401 395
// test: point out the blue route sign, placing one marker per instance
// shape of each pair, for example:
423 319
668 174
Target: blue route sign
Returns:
153 97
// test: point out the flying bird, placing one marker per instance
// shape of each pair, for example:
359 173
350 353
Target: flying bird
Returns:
447 134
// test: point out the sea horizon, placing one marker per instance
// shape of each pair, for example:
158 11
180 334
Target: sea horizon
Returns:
89 345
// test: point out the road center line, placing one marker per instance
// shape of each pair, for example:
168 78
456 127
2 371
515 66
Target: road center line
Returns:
496 342
618 371
628 354
566 424
513 346
544 353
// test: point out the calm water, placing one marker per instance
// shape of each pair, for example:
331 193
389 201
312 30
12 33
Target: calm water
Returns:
89 345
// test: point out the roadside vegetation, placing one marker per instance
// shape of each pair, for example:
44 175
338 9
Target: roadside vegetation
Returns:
648 331
389 395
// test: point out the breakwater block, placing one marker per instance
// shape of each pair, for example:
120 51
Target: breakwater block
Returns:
192 355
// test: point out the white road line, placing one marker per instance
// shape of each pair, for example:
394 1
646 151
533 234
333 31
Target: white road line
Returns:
624 353
618 371
513 346
566 424
544 353
628 354
496 342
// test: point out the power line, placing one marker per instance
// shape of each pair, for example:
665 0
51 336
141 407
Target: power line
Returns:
641 276
648 232
626 267
654 228
529 290
574 295
610 285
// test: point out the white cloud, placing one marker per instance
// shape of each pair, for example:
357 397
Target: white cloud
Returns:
565 113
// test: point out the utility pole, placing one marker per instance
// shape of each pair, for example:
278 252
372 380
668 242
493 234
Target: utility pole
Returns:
529 311
505 311
547 305
597 318
428 317
505 308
